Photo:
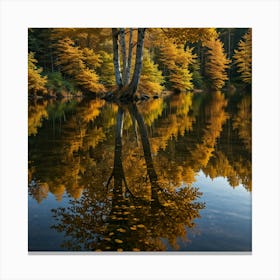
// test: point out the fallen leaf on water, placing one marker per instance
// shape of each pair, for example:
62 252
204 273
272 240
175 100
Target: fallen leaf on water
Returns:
121 230
141 226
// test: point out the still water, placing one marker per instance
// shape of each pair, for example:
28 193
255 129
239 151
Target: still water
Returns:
168 174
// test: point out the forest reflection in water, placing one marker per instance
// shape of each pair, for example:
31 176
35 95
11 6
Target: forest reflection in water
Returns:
129 172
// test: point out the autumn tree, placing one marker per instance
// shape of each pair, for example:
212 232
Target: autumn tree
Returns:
79 64
105 69
122 76
36 82
151 77
243 57
216 63
177 60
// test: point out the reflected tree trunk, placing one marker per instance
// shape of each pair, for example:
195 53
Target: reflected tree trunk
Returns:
147 153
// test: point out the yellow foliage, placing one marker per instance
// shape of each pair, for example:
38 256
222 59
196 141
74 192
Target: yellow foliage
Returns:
243 57
89 80
106 69
69 57
192 35
36 114
78 63
177 60
36 82
151 77
216 63
91 59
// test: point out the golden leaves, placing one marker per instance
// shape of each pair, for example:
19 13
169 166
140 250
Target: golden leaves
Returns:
243 57
216 63
36 82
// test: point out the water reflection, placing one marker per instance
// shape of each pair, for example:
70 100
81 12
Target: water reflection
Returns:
130 169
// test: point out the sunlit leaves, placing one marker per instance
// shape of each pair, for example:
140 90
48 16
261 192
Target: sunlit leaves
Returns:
243 57
176 60
89 80
36 82
151 77
106 69
216 63
36 114
79 64
183 35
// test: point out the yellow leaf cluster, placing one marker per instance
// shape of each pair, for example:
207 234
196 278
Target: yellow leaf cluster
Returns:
216 63
36 82
243 57
151 77
79 64
177 60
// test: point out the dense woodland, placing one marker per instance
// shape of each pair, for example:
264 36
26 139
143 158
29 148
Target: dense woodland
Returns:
94 61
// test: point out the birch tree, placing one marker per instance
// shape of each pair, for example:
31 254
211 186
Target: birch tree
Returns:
123 82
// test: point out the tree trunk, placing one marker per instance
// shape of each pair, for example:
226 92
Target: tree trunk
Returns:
129 58
138 62
124 59
116 57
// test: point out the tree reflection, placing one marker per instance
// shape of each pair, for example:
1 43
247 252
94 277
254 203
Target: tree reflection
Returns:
124 220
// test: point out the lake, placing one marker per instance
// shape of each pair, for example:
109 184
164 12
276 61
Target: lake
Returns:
168 174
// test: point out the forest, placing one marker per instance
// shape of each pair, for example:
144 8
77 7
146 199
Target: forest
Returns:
97 61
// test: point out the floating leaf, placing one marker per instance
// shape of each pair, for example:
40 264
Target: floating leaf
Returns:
141 226
121 230
118 241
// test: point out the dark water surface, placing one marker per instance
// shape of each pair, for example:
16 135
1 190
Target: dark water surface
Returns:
169 174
